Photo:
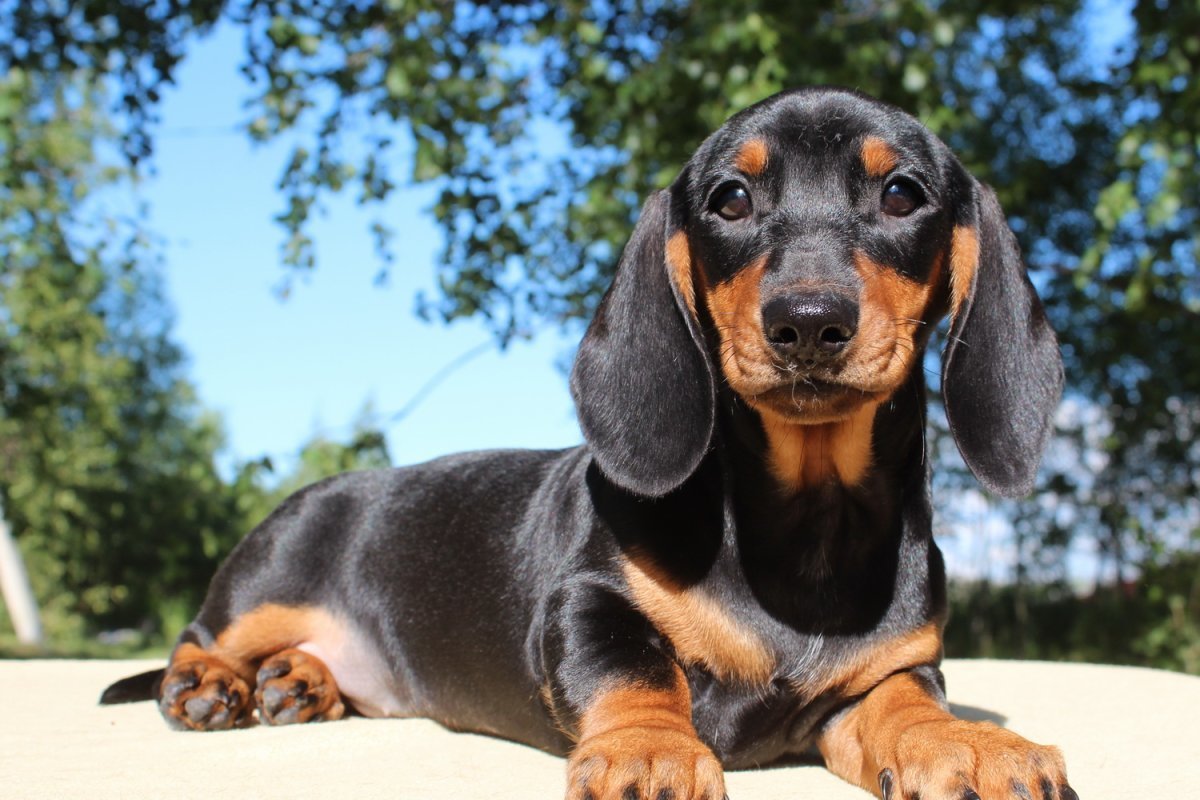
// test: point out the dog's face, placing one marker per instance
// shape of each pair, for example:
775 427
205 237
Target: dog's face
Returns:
802 257
819 233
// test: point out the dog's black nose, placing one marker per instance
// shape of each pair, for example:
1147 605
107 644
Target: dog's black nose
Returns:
811 327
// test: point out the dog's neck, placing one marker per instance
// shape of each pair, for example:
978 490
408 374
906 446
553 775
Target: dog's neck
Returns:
799 456
879 441
836 515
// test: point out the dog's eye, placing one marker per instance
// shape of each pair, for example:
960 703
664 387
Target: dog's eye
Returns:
731 202
901 198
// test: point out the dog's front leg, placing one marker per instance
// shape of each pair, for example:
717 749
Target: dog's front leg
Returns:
623 698
901 742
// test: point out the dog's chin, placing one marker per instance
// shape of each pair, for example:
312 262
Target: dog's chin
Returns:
812 402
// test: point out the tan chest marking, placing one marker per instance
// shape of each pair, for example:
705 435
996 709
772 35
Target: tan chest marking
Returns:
800 456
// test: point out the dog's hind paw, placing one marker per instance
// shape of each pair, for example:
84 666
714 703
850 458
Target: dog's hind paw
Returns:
295 686
203 694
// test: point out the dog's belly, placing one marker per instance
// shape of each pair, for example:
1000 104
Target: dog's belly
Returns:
363 678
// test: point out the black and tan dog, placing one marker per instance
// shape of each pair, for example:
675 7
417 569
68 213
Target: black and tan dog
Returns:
738 565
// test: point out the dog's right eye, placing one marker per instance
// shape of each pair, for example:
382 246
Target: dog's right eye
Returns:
731 202
901 197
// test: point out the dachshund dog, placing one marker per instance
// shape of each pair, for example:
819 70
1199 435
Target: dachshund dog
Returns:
738 565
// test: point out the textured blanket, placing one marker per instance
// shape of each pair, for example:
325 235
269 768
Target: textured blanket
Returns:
1125 733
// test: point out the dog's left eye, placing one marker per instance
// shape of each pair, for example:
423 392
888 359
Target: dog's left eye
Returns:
731 202
901 198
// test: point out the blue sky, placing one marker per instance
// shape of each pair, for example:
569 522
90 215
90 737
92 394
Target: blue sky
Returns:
279 371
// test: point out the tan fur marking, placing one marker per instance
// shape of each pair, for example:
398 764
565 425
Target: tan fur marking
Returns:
637 705
191 652
849 743
870 671
679 262
734 306
698 627
264 632
752 157
892 292
319 698
642 737
893 309
878 157
964 261
872 665
809 455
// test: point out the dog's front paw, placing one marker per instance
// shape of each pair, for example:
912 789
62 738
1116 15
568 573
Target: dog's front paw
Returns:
203 694
644 763
960 760
294 686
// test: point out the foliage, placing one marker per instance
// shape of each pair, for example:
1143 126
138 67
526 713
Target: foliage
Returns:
1128 313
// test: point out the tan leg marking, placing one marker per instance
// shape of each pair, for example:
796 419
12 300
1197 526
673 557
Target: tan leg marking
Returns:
213 688
201 692
295 686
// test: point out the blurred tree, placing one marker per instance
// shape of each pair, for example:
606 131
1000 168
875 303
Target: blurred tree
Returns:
106 462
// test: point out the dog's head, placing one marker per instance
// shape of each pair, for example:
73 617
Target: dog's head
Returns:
817 237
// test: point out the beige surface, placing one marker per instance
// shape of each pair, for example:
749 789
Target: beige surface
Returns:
1125 732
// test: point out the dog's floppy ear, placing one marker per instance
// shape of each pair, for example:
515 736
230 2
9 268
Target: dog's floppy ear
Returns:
1002 373
642 381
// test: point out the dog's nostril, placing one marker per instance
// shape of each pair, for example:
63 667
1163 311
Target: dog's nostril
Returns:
784 335
835 335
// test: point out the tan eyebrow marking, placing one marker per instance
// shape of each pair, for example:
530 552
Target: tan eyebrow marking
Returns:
752 158
878 157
